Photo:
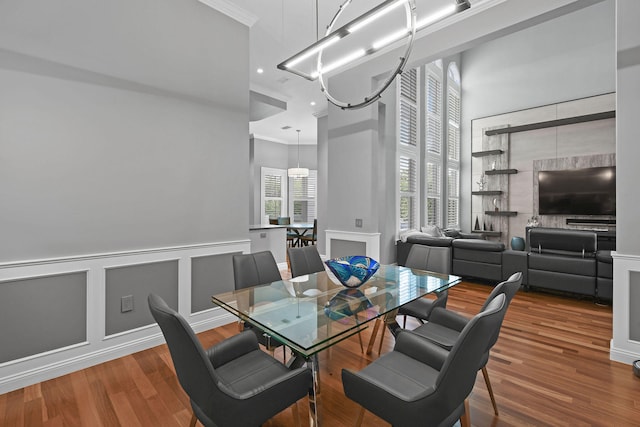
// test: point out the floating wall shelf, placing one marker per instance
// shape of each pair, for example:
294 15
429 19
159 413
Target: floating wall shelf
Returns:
553 123
487 193
501 213
501 172
487 153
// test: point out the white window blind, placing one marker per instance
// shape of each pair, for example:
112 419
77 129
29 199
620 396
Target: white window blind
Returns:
273 194
302 197
453 146
408 150
408 184
433 144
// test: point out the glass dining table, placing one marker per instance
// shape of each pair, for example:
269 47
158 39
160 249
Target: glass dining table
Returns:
311 313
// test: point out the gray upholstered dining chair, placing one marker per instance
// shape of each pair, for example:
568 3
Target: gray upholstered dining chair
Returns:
445 326
436 259
304 260
233 382
420 383
251 270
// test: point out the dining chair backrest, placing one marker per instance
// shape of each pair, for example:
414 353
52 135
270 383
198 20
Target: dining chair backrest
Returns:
193 368
255 269
304 260
458 373
284 220
509 288
436 259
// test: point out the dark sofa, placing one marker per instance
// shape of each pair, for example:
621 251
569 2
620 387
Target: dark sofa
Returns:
576 261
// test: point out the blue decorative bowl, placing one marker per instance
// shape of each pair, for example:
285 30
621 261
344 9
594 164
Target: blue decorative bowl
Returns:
353 271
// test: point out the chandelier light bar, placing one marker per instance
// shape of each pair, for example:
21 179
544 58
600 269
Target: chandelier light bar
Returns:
379 13
363 20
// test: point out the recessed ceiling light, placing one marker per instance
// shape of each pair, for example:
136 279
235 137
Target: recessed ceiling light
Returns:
313 103
260 70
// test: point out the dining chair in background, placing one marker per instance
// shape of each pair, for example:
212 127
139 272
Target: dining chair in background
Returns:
292 236
445 326
233 382
421 257
435 259
312 238
254 269
419 383
304 260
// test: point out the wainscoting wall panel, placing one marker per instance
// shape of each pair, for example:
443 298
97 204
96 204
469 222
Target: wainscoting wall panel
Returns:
41 314
136 282
210 275
69 309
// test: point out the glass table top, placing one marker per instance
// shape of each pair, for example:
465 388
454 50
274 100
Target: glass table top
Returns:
310 313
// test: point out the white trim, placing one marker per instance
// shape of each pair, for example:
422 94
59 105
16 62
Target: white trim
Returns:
72 258
233 11
371 241
622 348
98 347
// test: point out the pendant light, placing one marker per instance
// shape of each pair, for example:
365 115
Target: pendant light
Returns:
298 172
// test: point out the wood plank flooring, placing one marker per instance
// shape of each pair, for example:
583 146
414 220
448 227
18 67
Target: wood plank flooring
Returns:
550 367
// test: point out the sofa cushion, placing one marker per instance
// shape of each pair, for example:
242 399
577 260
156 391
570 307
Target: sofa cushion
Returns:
429 240
563 242
560 264
604 256
485 257
478 245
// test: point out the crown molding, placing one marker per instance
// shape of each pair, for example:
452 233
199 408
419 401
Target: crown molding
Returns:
231 10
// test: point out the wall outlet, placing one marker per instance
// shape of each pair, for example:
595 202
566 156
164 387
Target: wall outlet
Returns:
126 303
358 222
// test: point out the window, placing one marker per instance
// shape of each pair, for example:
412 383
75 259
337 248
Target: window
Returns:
302 197
408 150
433 143
453 146
429 168
273 196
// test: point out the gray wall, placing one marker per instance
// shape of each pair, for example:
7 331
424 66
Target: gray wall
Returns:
628 148
567 58
104 149
323 187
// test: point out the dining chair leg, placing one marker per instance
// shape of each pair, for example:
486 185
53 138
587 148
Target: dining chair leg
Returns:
360 417
372 340
296 414
193 421
381 339
465 419
485 374
404 322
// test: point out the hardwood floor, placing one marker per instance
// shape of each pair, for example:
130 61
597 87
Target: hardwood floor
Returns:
550 367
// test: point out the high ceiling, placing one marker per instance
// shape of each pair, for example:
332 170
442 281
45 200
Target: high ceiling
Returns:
283 28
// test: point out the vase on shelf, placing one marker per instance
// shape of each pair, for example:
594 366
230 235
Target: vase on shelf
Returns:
477 226
517 243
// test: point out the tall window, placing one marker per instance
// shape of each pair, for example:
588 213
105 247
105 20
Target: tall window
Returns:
273 195
408 150
433 143
453 146
302 197
429 168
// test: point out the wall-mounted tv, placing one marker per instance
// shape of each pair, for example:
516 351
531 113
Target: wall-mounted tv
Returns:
589 191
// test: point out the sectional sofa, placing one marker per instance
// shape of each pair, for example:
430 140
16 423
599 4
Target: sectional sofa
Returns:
575 261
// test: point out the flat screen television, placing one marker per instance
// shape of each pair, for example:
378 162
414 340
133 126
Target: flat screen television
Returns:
589 191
